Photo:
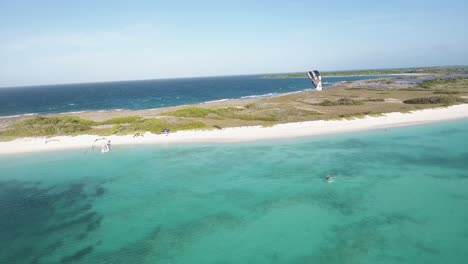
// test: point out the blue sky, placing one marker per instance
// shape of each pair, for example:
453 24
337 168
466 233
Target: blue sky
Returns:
45 42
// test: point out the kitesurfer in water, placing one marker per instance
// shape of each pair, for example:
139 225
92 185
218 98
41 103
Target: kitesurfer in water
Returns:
329 179
106 147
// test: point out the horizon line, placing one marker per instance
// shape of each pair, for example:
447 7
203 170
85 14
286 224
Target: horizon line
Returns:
228 75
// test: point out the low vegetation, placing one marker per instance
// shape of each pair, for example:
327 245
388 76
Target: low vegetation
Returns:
445 100
49 126
65 125
447 92
122 120
423 70
376 100
155 126
341 101
219 113
191 112
429 84
358 115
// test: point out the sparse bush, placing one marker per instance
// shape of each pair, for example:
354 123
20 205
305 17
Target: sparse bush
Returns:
447 100
341 101
329 103
439 81
446 92
376 100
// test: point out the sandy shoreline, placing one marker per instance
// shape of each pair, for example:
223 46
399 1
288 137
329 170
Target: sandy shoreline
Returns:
242 134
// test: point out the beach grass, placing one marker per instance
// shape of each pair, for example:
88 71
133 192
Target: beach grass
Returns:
68 125
48 126
122 120
156 126
192 112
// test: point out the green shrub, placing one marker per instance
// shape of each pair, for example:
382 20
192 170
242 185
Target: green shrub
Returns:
446 92
49 126
439 81
435 100
329 103
341 101
56 120
376 100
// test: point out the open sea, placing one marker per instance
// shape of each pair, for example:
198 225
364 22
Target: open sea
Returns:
399 196
148 94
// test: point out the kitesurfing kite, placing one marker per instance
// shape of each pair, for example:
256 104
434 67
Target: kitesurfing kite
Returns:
316 79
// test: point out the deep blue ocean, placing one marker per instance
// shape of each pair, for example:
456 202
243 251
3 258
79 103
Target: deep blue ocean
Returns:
148 94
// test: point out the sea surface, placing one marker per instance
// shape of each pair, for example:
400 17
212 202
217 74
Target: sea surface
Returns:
398 196
148 94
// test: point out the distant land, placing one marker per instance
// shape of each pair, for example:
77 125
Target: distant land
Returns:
460 69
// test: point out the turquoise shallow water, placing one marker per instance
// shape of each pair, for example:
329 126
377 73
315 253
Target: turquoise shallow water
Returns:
399 196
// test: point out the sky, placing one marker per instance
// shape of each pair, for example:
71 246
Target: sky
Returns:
50 42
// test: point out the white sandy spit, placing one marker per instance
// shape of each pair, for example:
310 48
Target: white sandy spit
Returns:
239 134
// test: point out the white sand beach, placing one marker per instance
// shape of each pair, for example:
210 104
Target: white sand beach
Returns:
242 134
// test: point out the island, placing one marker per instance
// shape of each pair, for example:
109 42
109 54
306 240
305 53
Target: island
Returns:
350 106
